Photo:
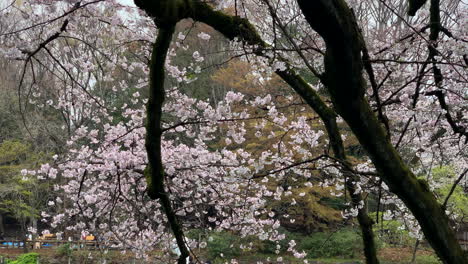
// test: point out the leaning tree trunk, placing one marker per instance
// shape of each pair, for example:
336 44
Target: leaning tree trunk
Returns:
335 22
328 116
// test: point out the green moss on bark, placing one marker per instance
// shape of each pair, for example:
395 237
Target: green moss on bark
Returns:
343 67
154 172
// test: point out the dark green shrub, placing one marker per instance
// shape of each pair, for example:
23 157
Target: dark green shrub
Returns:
223 243
196 233
64 250
28 258
391 233
427 260
344 243
269 247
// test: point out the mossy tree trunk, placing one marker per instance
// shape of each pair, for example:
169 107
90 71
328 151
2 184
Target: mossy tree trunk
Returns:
155 171
334 21
328 116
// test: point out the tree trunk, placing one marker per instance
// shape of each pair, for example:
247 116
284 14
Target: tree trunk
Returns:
415 250
155 171
334 21
328 117
2 226
24 236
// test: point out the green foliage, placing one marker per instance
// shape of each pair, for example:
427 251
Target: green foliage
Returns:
427 259
18 209
195 233
442 172
20 197
270 247
64 250
16 155
313 210
28 258
12 151
344 243
391 232
458 202
337 203
225 244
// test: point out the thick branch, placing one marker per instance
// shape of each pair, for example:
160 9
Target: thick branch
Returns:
457 129
48 40
435 28
328 117
414 6
333 20
155 172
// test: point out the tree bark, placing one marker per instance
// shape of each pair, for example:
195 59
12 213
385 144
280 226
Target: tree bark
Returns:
334 21
415 250
2 225
154 172
328 116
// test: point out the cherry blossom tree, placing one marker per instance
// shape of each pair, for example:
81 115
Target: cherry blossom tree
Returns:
396 80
